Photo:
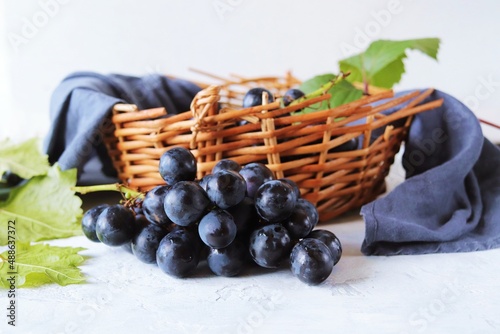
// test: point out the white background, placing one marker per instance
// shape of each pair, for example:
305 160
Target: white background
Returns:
236 36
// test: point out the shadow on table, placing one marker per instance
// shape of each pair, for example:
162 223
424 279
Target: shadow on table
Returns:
250 270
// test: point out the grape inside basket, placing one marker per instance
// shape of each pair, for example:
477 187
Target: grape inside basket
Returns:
301 147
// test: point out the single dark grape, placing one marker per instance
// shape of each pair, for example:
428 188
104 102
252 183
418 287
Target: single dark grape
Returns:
186 203
178 255
226 188
115 225
177 164
153 205
228 261
145 244
89 221
311 210
275 201
204 181
294 186
226 164
311 261
244 215
255 175
270 245
254 97
193 231
291 95
299 224
331 241
217 229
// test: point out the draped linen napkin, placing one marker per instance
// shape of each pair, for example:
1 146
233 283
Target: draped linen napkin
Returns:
450 200
79 112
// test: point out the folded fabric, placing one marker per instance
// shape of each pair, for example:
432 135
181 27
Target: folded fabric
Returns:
80 106
450 201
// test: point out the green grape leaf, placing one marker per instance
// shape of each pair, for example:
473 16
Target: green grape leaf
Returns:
314 83
38 264
43 208
23 159
343 92
382 64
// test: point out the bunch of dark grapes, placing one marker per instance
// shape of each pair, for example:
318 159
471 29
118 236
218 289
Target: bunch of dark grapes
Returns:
230 218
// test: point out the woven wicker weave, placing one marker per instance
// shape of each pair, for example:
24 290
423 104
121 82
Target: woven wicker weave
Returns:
294 146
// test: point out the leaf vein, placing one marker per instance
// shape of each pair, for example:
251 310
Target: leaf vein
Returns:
38 222
50 269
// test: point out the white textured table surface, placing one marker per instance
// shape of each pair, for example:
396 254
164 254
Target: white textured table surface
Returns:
437 293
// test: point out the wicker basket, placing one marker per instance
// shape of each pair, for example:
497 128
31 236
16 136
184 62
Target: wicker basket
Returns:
293 146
